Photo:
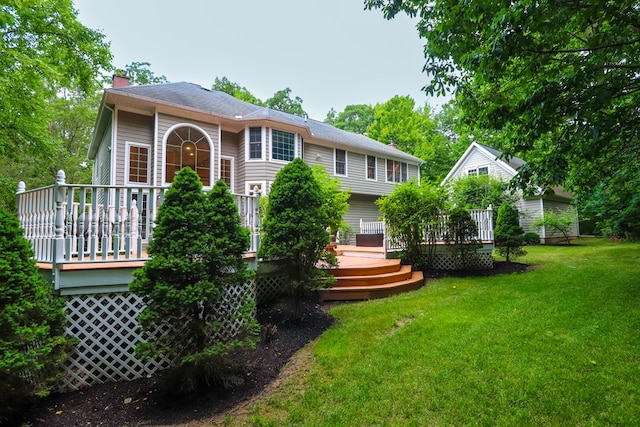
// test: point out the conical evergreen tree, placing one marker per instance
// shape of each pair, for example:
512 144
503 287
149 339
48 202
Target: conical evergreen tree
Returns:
509 235
32 343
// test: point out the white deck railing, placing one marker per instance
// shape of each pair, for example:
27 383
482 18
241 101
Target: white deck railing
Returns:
88 223
482 217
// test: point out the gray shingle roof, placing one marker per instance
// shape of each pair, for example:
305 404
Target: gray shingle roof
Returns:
514 162
217 103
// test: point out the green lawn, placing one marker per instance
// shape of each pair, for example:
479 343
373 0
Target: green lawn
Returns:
559 345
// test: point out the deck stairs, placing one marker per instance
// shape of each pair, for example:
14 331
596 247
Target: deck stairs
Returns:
363 273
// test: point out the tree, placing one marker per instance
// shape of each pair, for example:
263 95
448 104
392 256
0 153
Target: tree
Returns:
461 234
354 118
478 192
42 47
508 233
295 230
411 213
196 254
235 90
335 200
32 341
558 221
558 80
140 73
281 100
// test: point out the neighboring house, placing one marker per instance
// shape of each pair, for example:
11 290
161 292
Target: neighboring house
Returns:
479 159
145 134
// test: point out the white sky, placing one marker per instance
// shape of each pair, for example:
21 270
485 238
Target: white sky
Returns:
331 53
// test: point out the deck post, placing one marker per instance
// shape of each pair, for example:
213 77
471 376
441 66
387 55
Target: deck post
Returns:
256 220
60 196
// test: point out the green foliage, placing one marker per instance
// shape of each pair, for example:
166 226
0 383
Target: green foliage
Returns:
556 220
531 238
281 100
32 341
140 73
346 233
461 236
295 229
509 236
355 118
409 212
235 90
478 192
42 47
336 200
196 255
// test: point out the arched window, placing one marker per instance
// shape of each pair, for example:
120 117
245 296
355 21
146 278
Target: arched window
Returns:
187 146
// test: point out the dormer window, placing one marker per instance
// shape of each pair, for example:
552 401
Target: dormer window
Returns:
187 146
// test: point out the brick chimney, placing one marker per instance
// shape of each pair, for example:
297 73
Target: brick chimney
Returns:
120 81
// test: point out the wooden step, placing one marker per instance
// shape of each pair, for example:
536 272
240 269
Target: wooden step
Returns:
373 291
403 272
365 267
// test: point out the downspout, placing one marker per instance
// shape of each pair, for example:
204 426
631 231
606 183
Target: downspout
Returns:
114 147
155 148
544 227
218 155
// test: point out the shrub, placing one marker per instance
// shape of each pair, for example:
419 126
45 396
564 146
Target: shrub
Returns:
478 192
509 236
412 213
32 344
531 238
295 230
196 254
461 236
558 221
335 200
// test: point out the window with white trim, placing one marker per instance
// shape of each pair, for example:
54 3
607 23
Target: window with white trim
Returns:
372 166
187 146
138 161
397 171
251 187
482 170
226 171
255 143
340 165
283 145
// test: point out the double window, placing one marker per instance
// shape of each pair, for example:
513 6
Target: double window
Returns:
482 170
187 146
397 171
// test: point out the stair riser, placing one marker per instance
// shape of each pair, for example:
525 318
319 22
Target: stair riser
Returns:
365 271
336 294
372 280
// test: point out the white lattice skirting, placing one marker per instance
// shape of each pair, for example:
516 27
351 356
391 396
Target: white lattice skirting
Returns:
106 331
477 261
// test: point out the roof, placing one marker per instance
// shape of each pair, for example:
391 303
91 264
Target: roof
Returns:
220 104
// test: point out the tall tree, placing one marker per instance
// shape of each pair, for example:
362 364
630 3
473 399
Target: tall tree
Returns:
235 90
140 73
42 47
355 118
281 100
560 78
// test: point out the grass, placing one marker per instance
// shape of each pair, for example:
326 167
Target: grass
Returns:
559 345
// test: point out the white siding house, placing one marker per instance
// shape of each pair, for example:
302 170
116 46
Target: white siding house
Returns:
480 159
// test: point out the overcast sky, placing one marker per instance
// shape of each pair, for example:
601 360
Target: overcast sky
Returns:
331 53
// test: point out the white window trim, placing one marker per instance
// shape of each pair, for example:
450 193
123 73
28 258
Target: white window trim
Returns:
296 147
127 159
386 177
346 162
366 168
249 184
263 136
476 170
212 153
233 171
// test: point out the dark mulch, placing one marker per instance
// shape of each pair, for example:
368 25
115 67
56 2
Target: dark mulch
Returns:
142 402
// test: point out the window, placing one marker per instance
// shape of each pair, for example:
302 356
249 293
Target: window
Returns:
226 171
283 145
340 162
371 167
397 171
251 188
138 163
187 146
482 170
254 149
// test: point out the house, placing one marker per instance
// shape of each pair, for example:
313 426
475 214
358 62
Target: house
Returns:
145 134
480 159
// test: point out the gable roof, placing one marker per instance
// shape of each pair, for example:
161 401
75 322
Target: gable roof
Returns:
193 97
492 155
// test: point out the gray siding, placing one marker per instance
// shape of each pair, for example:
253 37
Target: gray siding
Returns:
361 207
477 159
556 206
530 210
133 128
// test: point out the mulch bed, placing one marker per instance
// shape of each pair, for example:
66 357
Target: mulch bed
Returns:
143 402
